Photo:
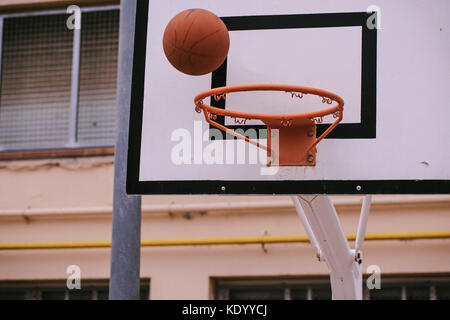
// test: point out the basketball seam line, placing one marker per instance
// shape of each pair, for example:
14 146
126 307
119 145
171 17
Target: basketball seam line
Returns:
192 53
189 29
205 37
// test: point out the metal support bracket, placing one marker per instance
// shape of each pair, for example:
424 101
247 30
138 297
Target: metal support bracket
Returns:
324 230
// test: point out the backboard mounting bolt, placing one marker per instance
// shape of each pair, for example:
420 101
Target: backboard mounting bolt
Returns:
223 188
310 133
358 188
310 158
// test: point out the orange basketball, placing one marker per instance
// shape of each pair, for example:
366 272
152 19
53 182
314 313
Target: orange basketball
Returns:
196 41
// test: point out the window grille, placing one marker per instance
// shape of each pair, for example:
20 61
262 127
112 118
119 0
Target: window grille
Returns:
42 61
392 288
57 290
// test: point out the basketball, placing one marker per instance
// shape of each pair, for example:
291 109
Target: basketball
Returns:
196 42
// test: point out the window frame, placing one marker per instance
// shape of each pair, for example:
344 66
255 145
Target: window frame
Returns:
222 285
34 289
72 148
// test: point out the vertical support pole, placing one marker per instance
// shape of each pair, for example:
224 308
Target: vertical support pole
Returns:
345 273
126 224
75 89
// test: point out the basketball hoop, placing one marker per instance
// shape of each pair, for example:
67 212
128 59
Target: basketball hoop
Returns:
297 132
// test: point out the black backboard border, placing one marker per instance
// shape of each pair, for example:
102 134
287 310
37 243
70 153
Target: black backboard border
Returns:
135 186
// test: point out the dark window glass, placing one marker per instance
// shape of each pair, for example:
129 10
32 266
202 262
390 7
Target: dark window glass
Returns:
418 293
386 293
256 294
53 295
443 292
11 295
321 293
57 290
299 294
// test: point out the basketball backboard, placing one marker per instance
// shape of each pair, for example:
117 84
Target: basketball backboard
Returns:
388 61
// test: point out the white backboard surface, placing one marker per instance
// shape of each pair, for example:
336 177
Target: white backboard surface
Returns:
393 74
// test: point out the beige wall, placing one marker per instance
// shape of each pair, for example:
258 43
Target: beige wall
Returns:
70 200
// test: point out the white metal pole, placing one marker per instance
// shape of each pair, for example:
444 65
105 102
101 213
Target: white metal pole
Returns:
75 85
363 219
345 273
306 224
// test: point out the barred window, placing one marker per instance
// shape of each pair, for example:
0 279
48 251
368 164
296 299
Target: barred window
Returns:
319 288
316 288
58 86
57 290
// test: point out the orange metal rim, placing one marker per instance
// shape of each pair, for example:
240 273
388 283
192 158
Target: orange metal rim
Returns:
211 113
219 93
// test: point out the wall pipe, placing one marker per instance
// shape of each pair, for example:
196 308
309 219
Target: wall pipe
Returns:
222 241
441 203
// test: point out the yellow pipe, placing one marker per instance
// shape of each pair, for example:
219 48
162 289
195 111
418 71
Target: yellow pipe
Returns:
222 241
